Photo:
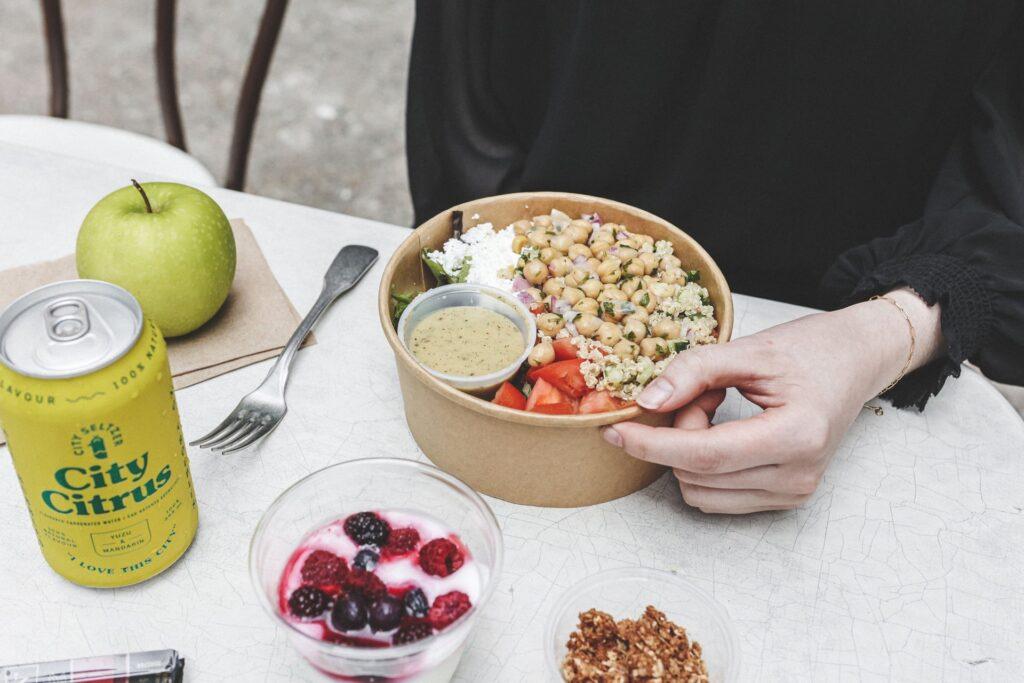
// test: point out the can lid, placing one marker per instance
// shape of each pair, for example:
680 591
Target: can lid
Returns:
69 329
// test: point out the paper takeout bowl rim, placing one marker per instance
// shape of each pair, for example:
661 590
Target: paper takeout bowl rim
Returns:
724 312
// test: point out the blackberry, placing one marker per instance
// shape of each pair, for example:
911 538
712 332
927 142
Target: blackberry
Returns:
366 528
410 633
366 559
349 613
308 602
385 614
415 602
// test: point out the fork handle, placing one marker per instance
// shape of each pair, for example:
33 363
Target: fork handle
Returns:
347 269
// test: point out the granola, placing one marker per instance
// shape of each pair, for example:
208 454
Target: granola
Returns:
650 649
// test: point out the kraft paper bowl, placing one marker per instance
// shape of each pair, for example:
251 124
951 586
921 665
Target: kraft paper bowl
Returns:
528 458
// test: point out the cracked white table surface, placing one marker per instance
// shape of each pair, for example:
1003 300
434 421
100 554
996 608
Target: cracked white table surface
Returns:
907 564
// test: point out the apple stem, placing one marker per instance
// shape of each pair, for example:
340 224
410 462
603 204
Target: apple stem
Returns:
149 207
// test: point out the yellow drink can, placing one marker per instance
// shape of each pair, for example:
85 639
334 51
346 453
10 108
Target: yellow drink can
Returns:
88 409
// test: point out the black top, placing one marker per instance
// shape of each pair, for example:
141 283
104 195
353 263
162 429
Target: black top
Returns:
821 151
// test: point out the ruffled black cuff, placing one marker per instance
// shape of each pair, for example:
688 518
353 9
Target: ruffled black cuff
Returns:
966 315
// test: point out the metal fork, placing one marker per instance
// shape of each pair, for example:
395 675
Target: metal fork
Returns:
261 411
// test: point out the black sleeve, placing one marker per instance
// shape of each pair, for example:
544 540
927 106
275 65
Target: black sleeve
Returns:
966 252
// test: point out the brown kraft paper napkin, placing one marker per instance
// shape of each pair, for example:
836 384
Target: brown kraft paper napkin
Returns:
254 324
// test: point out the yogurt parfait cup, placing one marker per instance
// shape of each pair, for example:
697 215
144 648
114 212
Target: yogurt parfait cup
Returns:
625 593
483 296
413 494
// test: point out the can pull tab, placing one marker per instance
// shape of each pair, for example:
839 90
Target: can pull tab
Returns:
67 319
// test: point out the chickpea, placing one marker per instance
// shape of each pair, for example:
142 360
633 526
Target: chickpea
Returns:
654 348
539 238
592 287
548 254
608 334
612 293
578 234
630 285
579 250
550 323
535 272
644 239
666 329
673 276
626 349
587 324
560 266
553 286
562 242
541 354
663 290
542 221
610 271
582 224
581 275
522 227
630 242
640 315
571 281
518 242
644 300
592 264
600 248
572 295
649 260
610 228
587 305
632 329
668 262
635 268
626 253
535 294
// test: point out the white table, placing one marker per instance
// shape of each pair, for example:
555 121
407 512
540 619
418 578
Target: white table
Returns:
907 563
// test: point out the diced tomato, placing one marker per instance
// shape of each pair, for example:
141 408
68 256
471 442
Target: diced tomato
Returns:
537 308
564 375
544 393
510 397
600 402
555 408
564 349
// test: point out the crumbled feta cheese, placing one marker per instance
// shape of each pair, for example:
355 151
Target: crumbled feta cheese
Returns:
489 253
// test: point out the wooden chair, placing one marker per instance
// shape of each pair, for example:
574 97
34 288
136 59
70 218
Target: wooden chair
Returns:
138 152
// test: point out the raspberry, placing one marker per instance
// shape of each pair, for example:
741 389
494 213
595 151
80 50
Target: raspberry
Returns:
366 583
440 557
307 602
447 608
401 541
324 568
366 528
410 633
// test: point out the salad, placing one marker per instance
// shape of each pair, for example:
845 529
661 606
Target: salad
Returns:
613 307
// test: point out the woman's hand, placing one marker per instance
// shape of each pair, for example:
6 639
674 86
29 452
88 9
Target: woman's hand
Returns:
811 376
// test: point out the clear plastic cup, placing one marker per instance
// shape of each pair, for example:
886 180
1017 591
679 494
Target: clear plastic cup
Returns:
376 484
626 592
466 294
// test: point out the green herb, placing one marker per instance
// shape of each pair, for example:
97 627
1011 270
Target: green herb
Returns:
645 300
464 271
435 268
608 307
399 302
631 335
705 300
693 276
679 345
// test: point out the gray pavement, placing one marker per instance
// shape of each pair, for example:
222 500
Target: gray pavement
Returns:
330 131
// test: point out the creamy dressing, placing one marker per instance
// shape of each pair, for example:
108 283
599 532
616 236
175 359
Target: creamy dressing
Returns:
466 341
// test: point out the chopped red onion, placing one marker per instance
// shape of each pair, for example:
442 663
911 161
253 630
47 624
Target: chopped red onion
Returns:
579 260
520 283
525 297
622 235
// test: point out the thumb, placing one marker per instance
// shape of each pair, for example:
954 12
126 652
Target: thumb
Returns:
694 372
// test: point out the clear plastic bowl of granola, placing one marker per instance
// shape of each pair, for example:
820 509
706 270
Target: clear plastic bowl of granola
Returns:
625 593
466 294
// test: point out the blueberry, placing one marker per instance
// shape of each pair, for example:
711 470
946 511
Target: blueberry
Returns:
349 613
366 559
416 604
385 613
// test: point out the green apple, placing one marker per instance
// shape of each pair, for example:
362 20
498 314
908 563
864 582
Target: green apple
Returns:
168 244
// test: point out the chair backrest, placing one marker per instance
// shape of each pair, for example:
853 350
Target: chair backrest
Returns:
246 109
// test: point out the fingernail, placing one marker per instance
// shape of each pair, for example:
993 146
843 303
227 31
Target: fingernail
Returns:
613 437
656 394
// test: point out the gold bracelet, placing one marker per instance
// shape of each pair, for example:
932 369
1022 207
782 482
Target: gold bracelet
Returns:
913 342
